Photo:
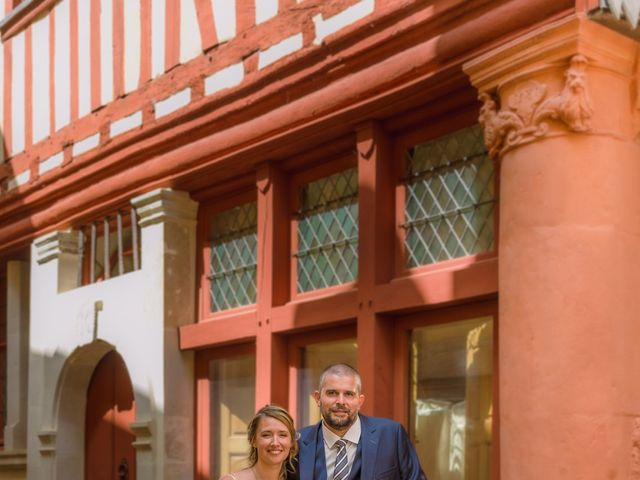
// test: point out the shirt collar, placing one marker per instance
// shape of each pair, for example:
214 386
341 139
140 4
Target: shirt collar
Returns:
352 435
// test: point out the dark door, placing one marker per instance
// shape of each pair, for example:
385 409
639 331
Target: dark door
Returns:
109 452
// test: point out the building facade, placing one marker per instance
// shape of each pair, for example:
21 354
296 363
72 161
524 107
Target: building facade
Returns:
205 202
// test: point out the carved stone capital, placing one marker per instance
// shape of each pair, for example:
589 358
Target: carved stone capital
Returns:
528 112
571 77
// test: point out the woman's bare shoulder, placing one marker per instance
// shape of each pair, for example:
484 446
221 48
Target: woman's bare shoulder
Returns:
241 475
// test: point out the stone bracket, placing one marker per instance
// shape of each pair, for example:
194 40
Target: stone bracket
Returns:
52 245
163 205
47 441
142 431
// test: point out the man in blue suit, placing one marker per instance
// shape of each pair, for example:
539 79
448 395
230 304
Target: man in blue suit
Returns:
346 445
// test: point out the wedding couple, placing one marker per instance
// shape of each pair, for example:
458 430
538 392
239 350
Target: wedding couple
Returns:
345 445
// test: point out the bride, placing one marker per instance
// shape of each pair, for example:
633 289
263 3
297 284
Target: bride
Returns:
272 437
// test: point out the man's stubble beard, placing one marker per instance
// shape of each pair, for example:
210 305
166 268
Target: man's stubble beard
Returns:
338 424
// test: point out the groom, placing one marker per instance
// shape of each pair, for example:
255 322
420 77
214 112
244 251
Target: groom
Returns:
347 445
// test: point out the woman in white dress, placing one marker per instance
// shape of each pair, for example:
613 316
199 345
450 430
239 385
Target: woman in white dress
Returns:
272 437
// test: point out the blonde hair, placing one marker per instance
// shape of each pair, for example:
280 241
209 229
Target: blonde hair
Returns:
280 414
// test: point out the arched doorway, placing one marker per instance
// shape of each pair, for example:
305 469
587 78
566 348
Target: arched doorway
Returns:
109 451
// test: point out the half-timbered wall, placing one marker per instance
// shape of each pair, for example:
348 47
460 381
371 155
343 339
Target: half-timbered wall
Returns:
77 74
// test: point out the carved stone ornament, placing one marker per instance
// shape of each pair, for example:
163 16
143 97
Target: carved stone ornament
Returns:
525 115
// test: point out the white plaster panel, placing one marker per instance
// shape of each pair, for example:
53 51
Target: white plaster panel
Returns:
173 103
132 39
226 78
139 315
41 79
157 37
106 51
50 163
224 19
342 19
17 93
84 145
125 124
62 64
266 9
190 37
84 58
132 309
279 50
18 180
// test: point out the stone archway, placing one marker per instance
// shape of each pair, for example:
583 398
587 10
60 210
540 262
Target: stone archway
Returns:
70 408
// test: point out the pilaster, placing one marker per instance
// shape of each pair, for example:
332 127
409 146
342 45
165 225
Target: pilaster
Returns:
168 239
375 266
15 430
560 113
273 284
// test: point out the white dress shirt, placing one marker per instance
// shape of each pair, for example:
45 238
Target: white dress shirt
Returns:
352 437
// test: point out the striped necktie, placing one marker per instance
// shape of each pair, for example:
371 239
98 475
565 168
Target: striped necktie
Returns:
341 469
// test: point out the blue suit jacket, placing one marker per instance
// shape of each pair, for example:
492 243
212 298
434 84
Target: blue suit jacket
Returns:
384 453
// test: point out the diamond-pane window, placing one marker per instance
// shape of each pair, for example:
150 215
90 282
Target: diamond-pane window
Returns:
450 198
234 236
328 231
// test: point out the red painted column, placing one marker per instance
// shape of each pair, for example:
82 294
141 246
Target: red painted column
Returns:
375 266
272 286
559 113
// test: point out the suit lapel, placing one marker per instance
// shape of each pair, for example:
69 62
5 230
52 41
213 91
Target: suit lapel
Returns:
312 464
369 439
321 460
356 468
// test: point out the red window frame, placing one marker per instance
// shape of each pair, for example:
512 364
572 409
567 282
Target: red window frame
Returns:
403 327
312 174
210 209
424 133
203 401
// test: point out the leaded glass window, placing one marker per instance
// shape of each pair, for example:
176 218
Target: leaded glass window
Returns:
450 198
328 231
234 234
